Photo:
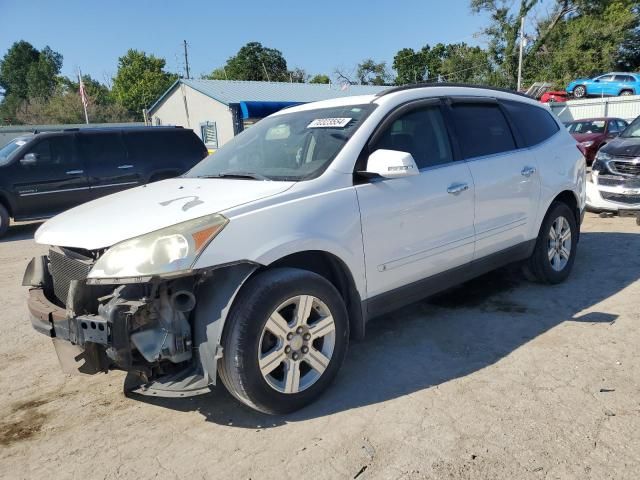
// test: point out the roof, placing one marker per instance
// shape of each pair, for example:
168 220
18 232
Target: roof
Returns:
237 91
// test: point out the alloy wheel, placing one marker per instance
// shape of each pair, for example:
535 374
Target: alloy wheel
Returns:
296 344
579 91
559 244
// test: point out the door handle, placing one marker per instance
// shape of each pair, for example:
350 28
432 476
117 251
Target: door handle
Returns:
124 167
457 188
75 172
528 171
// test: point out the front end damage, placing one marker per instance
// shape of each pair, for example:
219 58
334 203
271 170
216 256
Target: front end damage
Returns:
615 185
165 332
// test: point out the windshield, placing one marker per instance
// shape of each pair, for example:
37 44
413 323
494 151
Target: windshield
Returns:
289 147
591 126
633 130
9 148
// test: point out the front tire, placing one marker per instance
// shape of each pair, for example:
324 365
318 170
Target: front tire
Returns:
4 220
285 340
556 246
580 91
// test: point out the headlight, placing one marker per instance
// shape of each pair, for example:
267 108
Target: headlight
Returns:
170 250
598 167
587 144
603 156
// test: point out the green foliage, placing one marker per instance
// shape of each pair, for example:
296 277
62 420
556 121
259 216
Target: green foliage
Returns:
254 62
451 63
26 73
66 107
140 81
371 73
320 78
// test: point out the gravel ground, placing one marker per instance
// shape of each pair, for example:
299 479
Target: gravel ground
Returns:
499 378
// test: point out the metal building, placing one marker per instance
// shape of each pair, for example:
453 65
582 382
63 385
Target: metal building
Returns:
217 110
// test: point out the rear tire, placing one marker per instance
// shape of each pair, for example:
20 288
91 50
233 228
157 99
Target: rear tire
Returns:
285 340
556 246
626 93
580 91
4 220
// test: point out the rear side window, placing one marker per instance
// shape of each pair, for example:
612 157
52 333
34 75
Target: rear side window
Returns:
535 124
422 133
613 126
166 147
482 129
102 148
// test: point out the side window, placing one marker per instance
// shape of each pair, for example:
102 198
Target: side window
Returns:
605 78
535 124
613 126
622 125
482 129
102 148
54 151
621 78
420 132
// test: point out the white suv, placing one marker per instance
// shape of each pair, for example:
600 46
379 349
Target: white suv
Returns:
261 263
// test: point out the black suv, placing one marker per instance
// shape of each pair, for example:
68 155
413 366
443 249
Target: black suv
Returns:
43 174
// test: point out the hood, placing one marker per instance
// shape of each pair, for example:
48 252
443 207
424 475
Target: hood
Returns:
585 137
625 147
108 220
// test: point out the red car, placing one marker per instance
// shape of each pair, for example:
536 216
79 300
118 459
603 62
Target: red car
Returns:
554 96
592 133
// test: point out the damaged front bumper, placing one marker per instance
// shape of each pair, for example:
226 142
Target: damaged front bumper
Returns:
165 333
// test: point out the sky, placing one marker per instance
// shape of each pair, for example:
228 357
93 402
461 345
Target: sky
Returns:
317 37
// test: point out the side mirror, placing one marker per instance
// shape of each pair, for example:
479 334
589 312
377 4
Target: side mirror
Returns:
29 159
390 164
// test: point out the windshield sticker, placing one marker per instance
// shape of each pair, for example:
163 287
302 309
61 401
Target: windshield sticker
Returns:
329 123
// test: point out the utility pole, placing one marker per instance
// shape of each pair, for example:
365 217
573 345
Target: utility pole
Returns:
521 49
186 58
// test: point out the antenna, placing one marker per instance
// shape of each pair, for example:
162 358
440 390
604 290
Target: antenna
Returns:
186 58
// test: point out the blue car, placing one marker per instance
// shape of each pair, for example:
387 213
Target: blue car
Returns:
609 84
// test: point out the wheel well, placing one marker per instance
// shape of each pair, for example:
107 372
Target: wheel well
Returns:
569 198
336 272
630 90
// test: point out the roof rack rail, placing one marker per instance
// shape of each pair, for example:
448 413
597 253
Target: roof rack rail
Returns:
445 84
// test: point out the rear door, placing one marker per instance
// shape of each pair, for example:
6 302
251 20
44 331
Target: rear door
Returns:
108 165
56 182
603 86
415 227
507 186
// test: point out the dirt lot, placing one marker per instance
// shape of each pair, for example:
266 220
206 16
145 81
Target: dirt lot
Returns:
497 379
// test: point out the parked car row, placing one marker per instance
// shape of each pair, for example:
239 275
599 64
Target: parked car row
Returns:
46 173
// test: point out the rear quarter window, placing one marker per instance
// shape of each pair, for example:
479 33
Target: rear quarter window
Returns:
534 124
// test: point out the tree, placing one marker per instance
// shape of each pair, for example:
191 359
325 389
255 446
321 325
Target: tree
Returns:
140 80
452 63
320 78
26 73
576 36
298 75
371 73
254 62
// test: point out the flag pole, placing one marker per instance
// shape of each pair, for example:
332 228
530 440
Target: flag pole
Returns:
83 96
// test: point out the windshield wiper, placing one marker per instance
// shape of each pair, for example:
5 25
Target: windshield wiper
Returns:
250 175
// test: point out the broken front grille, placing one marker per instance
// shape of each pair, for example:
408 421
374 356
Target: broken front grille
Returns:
65 266
621 198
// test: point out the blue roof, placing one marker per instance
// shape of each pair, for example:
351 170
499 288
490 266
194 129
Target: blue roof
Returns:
237 91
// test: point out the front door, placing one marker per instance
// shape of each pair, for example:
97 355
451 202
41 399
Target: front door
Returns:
54 183
507 185
415 227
